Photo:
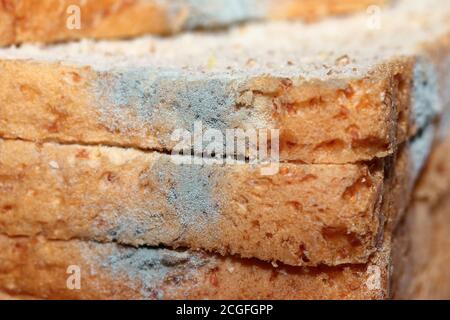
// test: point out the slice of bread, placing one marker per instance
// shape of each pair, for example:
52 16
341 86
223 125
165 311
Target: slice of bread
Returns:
431 280
426 276
39 269
421 268
48 269
57 20
306 215
421 255
43 268
333 100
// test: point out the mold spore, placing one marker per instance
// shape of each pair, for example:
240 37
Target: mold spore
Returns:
148 268
148 99
193 192
215 13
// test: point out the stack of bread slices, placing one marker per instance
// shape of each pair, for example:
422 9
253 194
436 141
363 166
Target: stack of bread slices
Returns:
97 202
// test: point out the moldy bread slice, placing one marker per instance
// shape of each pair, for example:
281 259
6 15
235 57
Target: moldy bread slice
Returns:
338 91
55 20
38 267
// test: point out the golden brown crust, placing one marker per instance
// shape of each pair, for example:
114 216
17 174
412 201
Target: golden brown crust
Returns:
304 215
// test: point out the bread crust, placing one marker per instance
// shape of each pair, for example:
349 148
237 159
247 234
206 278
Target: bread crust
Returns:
46 20
311 10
